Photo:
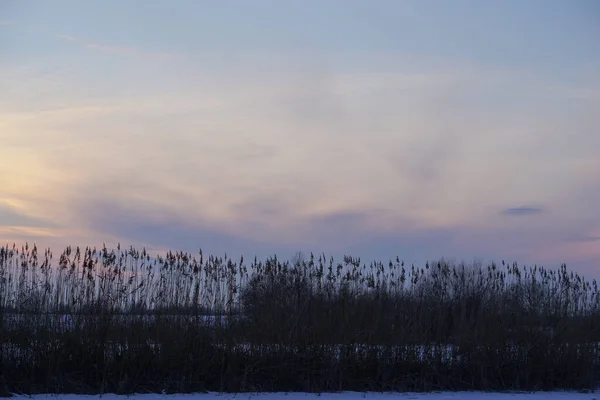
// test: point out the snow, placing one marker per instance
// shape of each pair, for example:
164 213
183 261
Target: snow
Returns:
329 396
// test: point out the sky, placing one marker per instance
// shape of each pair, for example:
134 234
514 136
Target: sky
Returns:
422 129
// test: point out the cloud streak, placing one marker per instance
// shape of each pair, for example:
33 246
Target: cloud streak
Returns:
11 217
582 238
122 50
522 211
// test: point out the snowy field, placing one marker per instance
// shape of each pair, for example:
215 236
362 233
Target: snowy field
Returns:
331 396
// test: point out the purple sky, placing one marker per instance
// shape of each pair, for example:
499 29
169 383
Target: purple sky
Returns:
424 129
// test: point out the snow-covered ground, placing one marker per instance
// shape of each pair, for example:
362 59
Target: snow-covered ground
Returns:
330 396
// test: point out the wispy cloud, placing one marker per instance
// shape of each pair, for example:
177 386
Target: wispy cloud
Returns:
582 238
156 225
11 216
362 163
27 232
94 45
124 50
522 211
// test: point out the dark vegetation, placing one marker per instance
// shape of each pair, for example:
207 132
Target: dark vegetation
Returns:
97 321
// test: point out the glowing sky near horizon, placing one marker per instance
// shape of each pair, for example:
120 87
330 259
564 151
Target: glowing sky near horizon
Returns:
423 129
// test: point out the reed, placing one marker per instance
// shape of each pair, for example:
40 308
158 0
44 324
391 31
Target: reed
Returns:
120 320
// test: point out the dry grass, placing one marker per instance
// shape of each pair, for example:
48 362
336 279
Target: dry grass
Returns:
121 321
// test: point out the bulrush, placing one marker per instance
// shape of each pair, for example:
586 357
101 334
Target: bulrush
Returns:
123 320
